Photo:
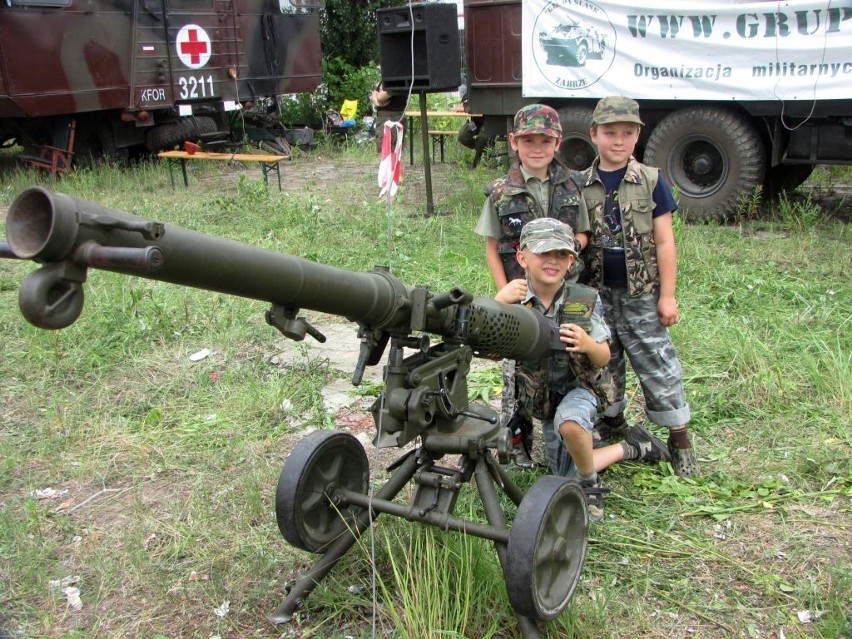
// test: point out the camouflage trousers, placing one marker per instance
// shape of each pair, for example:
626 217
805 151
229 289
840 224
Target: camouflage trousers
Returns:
509 399
509 396
637 335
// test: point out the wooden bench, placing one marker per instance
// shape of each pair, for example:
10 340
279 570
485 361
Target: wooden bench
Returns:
268 162
437 137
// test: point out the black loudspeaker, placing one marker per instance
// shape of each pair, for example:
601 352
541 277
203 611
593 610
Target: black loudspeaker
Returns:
431 31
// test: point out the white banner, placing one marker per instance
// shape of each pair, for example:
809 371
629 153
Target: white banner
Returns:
670 49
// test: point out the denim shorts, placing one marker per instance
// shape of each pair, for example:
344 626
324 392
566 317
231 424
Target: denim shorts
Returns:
579 405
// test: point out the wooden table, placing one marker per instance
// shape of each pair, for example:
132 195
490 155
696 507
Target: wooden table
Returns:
423 114
267 161
411 115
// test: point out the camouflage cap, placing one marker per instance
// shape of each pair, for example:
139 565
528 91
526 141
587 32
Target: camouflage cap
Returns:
547 234
537 118
616 108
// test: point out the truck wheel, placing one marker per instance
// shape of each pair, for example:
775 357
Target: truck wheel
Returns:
714 157
110 151
786 177
170 134
581 55
577 150
96 144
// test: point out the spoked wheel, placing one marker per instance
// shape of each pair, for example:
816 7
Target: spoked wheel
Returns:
321 462
547 547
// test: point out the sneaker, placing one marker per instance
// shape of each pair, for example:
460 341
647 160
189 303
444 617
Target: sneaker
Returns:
683 461
520 457
613 428
594 492
651 449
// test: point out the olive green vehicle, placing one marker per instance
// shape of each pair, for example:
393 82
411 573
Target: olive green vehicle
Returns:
717 148
130 76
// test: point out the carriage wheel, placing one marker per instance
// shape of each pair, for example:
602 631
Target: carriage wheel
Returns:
321 462
547 547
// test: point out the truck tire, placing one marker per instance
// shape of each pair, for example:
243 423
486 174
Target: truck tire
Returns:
96 145
170 134
785 178
713 156
581 55
577 150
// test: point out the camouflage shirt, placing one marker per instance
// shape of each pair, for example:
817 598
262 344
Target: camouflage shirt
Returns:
637 237
543 383
514 206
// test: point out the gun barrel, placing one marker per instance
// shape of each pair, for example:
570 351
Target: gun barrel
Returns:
51 227
56 228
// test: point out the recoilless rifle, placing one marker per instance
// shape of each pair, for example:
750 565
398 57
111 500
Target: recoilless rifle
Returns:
323 502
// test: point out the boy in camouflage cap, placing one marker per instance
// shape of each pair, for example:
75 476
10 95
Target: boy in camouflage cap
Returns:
537 185
632 261
568 390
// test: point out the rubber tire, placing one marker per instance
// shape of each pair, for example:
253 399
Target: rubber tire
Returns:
170 134
111 153
581 55
96 145
576 150
785 178
734 154
547 548
323 460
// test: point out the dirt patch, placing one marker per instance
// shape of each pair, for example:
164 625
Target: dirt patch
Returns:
325 176
307 171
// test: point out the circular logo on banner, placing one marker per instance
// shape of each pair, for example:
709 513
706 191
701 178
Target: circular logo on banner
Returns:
573 43
193 46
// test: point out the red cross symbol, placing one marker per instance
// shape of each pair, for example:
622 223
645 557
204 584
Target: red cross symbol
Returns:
193 47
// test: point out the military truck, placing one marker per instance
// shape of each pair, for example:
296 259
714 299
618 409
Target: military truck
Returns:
738 98
129 76
571 43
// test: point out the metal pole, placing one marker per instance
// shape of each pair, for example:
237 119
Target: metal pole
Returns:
427 161
494 515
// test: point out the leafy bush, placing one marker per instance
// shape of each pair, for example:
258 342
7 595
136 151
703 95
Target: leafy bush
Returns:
342 82
346 82
304 109
350 69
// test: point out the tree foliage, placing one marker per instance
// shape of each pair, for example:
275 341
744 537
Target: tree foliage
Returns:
349 29
350 45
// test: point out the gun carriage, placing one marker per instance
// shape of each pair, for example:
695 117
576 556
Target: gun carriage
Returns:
323 503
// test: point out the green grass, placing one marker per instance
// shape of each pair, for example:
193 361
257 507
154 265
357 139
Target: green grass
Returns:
170 465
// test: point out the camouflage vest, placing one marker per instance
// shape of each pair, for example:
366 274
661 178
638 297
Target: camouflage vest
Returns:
515 206
543 383
637 208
